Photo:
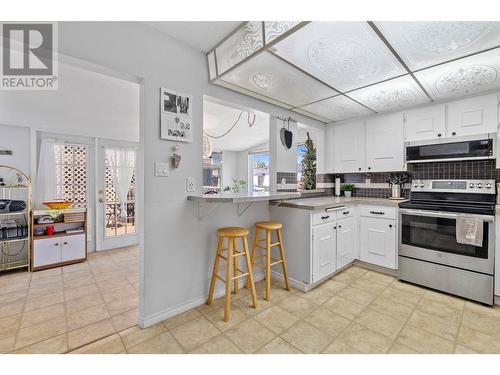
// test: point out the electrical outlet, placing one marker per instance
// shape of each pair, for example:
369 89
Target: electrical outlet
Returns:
190 185
283 183
162 169
368 182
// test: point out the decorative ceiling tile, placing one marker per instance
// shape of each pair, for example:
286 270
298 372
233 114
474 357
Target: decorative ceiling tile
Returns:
463 77
276 28
423 44
338 108
345 55
241 44
390 95
270 76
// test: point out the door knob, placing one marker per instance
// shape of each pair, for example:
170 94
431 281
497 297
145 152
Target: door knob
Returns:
101 200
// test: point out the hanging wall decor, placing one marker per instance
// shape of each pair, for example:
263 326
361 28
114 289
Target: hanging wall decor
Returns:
286 135
176 119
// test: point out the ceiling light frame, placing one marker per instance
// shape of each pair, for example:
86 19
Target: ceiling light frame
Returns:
267 47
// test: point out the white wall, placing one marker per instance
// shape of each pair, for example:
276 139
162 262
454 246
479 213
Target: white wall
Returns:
17 139
229 168
86 103
178 248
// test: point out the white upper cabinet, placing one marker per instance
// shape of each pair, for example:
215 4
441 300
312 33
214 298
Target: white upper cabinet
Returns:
384 143
349 150
426 123
473 116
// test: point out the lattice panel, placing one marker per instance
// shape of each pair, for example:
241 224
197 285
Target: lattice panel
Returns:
72 175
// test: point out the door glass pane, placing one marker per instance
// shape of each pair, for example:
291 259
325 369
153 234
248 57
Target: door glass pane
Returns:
116 223
260 171
439 234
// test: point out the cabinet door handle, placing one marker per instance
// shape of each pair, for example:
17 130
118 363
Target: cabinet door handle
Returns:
454 133
345 213
377 212
369 168
325 217
439 134
56 244
390 225
359 169
65 243
340 226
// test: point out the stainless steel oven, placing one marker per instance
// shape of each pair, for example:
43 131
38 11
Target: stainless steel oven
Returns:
446 149
429 253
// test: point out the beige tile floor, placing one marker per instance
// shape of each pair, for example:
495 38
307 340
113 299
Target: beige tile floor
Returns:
64 308
356 311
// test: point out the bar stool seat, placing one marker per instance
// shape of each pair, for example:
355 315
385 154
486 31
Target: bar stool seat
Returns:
231 255
232 232
269 225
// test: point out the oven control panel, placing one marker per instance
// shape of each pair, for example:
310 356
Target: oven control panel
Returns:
455 186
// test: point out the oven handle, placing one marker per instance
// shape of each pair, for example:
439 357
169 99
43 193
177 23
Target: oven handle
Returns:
449 215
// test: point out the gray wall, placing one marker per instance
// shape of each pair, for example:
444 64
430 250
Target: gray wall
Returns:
178 248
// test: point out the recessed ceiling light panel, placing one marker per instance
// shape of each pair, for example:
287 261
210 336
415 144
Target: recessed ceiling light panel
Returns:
346 55
270 76
423 44
275 29
241 44
463 77
390 95
338 108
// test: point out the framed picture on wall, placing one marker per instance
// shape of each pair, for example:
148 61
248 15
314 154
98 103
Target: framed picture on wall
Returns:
176 120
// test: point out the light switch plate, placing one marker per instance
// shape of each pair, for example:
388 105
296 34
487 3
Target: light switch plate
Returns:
162 169
190 185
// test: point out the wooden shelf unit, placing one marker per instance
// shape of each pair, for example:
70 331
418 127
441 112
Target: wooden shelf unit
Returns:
61 248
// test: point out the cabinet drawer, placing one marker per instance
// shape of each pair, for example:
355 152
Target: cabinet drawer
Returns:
345 213
378 211
323 217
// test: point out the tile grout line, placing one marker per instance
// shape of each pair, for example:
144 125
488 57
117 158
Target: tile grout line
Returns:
22 312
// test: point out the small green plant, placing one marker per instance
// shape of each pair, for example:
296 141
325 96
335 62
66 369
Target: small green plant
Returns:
347 187
238 185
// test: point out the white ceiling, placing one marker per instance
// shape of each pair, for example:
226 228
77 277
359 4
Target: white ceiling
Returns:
218 118
202 35
335 71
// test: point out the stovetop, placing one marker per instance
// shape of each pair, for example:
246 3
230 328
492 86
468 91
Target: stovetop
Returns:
463 196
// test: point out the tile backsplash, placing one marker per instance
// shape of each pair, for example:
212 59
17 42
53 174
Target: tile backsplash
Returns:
378 188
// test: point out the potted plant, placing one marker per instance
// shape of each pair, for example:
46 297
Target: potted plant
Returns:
347 189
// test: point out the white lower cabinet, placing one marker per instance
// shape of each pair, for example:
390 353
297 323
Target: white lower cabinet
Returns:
46 251
378 241
324 251
346 241
49 251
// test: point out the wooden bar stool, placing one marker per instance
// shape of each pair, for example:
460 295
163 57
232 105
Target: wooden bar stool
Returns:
268 227
233 272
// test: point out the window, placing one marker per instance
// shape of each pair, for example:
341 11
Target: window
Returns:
212 173
301 151
117 224
71 174
259 162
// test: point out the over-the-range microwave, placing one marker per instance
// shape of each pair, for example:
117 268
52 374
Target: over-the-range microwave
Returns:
477 147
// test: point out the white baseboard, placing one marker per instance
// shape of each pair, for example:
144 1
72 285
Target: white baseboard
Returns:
148 321
296 284
496 300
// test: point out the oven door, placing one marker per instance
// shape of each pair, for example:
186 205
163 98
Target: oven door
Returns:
431 236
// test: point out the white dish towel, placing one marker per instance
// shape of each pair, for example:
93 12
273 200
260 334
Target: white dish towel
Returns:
469 231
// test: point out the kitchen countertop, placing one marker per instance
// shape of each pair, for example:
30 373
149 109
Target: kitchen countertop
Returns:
321 203
244 197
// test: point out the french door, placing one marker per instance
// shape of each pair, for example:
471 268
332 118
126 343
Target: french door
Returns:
116 196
